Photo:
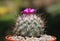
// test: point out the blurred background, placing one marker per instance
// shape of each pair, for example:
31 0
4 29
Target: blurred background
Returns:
10 10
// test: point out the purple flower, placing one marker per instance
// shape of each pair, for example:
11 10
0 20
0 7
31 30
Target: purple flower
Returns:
28 11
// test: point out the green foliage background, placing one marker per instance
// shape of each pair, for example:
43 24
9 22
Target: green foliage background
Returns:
8 20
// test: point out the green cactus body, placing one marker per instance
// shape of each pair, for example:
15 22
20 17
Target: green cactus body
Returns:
29 25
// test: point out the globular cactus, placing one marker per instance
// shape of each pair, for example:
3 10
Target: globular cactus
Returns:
29 24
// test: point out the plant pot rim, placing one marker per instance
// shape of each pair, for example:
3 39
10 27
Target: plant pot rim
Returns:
7 38
54 37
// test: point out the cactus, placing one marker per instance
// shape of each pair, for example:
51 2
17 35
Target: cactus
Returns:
29 24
